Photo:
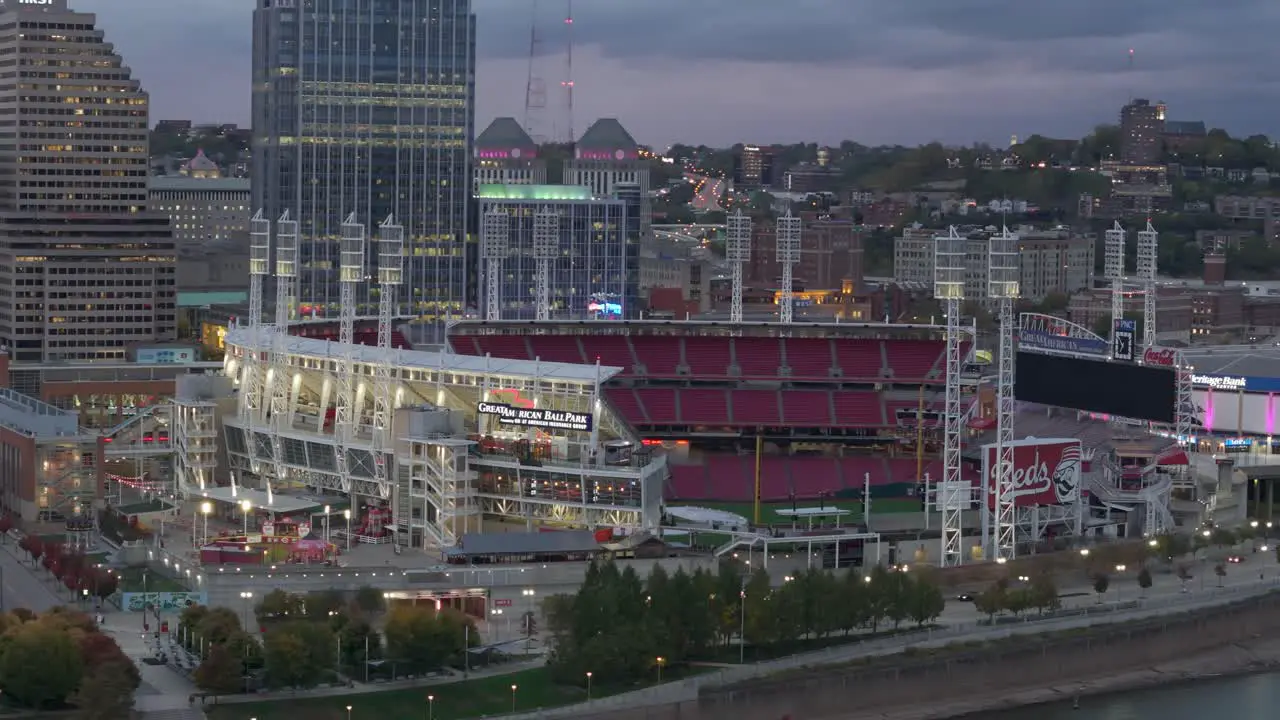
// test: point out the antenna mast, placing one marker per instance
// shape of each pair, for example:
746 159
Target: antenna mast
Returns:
568 82
535 90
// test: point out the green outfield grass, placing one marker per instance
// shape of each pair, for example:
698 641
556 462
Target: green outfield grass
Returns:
769 511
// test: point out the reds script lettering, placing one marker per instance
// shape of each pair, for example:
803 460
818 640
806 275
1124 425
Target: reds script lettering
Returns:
1031 480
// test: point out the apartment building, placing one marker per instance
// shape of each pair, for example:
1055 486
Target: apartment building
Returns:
202 211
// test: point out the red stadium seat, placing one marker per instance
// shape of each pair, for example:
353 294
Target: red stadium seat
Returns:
855 470
557 348
813 476
915 360
659 405
755 407
808 358
510 347
689 482
465 345
758 357
775 477
707 356
624 400
857 409
704 407
858 358
660 356
610 350
730 478
806 408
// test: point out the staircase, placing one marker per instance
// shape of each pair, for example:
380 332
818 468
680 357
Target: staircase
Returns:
1155 497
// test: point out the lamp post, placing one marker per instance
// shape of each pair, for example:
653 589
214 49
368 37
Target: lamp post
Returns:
205 509
588 686
347 515
348 712
661 661
326 523
513 697
1119 569
431 707
246 507
247 597
742 626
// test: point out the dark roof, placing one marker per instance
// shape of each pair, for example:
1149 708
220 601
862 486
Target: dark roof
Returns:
504 133
1184 127
607 134
522 543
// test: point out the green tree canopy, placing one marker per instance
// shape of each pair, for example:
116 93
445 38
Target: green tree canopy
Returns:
40 665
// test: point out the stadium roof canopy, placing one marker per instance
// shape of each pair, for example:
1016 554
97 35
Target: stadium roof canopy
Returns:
525 543
1243 360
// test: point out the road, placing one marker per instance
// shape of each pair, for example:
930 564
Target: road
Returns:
706 192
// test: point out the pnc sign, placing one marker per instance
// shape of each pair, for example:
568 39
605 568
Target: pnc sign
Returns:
1045 472
1163 357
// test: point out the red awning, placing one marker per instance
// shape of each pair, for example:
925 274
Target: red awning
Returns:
1173 456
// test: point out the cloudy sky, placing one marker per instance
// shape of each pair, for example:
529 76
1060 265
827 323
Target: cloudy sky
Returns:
724 71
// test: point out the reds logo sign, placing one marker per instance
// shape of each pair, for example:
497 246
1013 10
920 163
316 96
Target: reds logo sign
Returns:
1045 472
1158 356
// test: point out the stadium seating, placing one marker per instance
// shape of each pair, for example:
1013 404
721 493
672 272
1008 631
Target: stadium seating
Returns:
659 405
557 348
704 407
812 476
627 405
805 408
858 409
808 358
754 407
688 482
730 478
760 358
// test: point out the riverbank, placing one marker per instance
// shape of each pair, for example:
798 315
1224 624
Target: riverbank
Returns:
1245 658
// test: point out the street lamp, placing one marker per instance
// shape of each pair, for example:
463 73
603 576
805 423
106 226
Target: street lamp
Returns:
513 697
588 686
742 626
431 699
245 508
326 523
247 597
348 712
1084 552
661 661
347 515
205 509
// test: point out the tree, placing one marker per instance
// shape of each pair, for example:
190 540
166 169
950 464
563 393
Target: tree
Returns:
106 693
217 626
370 600
1101 582
6 524
98 650
318 605
279 605
357 639
990 601
1221 571
925 601
220 672
1044 593
1144 580
40 665
297 654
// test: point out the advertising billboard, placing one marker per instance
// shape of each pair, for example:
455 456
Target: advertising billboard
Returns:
537 417
1045 472
1062 343
1141 392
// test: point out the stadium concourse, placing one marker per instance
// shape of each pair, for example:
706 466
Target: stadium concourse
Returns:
830 407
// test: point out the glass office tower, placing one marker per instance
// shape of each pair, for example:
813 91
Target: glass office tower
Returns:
367 106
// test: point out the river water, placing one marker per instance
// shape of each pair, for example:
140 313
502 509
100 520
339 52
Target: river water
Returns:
1251 697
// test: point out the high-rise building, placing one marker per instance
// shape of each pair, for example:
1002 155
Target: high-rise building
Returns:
607 156
1141 132
367 107
506 155
203 210
87 271
753 167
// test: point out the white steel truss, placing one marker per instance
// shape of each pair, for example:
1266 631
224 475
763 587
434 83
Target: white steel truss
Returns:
253 374
495 245
789 229
1148 254
282 399
546 247
1113 270
1003 273
390 277
948 288
737 245
346 414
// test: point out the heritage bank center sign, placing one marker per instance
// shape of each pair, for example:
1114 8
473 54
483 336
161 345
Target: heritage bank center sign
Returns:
537 418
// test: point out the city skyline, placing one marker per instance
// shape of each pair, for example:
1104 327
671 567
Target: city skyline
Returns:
910 81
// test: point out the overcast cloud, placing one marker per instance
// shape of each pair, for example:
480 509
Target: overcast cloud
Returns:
724 71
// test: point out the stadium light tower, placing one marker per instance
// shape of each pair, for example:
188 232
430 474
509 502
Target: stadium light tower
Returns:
495 245
1148 252
390 277
283 402
346 414
1113 270
253 374
789 229
737 250
546 247
948 289
1003 287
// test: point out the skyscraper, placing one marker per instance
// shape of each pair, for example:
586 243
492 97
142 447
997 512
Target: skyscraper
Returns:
367 107
1141 132
87 272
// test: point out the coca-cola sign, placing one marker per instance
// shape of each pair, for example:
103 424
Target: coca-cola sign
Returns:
1044 472
1158 356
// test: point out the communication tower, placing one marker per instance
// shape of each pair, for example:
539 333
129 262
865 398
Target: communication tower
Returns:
390 277
789 229
948 289
568 55
495 245
1003 288
737 245
1113 270
535 89
546 247
1148 252
346 414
